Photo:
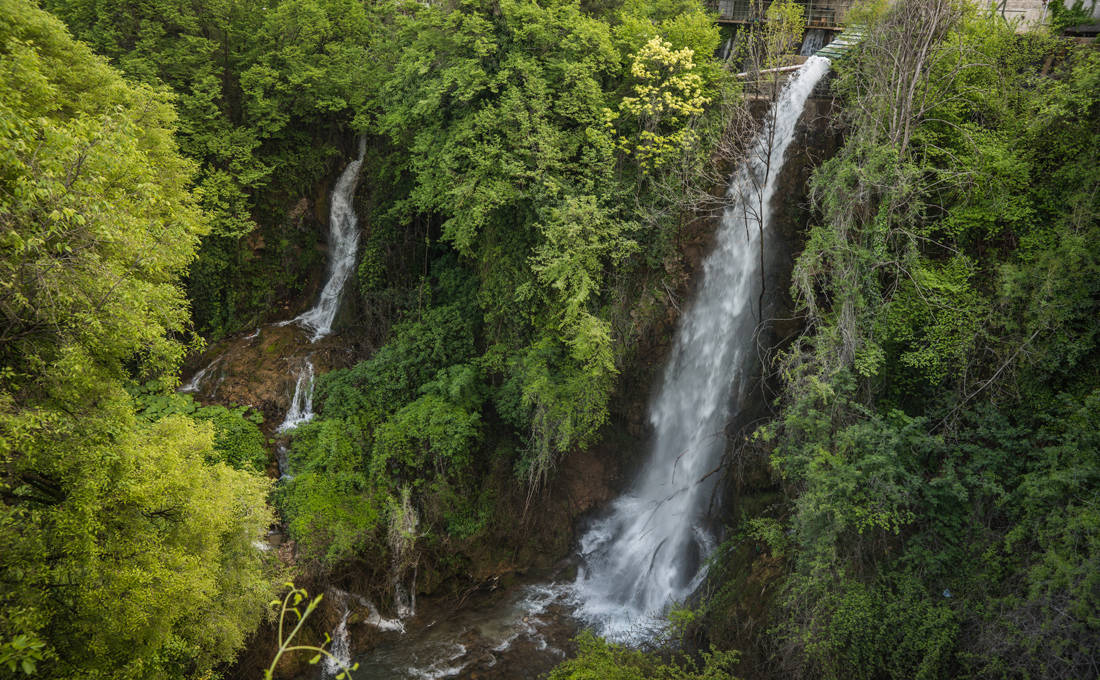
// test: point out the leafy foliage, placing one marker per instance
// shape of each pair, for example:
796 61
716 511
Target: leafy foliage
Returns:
238 440
932 399
667 91
96 506
502 116
597 658
495 118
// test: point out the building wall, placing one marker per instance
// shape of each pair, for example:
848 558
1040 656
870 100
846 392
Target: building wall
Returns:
821 13
1031 13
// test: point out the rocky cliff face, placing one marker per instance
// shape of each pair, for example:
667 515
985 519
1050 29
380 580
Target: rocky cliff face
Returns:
254 368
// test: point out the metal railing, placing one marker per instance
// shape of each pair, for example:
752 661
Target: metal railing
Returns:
818 13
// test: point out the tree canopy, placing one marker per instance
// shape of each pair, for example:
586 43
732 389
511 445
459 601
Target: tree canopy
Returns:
929 471
127 549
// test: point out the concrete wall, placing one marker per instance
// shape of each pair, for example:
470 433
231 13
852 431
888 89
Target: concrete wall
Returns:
1031 12
1034 12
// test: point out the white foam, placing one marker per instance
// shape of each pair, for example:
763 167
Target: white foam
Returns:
343 244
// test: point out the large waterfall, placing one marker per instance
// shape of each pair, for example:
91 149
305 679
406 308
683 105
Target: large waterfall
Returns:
648 551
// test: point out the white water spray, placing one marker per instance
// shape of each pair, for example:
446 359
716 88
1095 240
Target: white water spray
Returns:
301 405
647 552
343 243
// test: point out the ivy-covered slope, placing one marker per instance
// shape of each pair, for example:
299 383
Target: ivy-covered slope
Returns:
937 436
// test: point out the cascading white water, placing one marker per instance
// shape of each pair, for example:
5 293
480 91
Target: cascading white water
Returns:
815 39
343 243
301 405
648 551
195 384
341 645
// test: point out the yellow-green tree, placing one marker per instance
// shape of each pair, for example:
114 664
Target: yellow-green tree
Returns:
666 95
123 553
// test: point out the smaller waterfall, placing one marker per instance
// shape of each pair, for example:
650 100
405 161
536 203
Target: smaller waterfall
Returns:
343 242
404 601
726 49
282 457
301 405
341 645
194 385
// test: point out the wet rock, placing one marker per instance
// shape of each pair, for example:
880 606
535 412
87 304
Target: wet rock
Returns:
256 368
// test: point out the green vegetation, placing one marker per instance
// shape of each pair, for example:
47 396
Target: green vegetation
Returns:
125 543
937 437
1074 14
264 92
238 441
600 660
529 149
528 139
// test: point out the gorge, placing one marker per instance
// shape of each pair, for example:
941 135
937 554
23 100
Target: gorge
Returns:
548 339
647 550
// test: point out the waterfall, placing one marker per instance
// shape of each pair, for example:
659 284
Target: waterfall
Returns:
343 242
648 551
194 385
404 601
341 645
726 50
815 39
301 405
282 457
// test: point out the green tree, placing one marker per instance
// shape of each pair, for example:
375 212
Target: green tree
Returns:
124 552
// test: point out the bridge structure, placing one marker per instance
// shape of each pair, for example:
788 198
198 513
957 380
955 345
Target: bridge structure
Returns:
831 14
823 14
842 43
